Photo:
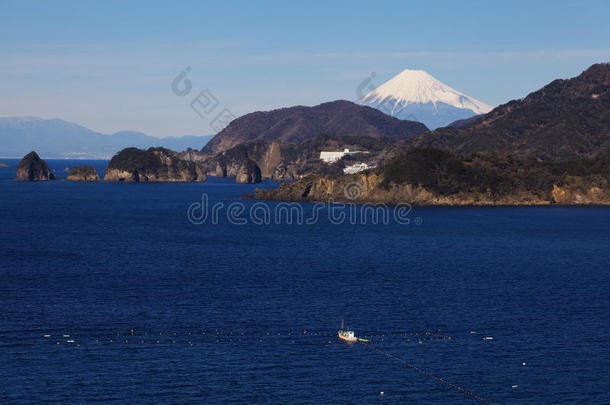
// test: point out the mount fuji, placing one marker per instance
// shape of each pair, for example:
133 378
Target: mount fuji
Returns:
417 96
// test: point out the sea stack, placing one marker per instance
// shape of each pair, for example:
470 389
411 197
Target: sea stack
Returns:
152 165
83 173
33 168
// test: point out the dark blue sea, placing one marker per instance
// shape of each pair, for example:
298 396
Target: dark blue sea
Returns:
110 293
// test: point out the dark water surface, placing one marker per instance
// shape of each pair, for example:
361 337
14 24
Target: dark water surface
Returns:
161 310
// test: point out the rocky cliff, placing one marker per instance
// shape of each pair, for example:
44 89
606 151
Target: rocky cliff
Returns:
286 161
248 172
152 165
83 173
33 168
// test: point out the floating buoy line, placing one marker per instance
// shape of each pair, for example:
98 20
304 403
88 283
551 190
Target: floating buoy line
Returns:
219 336
426 373
131 336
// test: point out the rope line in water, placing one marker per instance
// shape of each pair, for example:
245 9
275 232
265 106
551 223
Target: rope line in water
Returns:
428 374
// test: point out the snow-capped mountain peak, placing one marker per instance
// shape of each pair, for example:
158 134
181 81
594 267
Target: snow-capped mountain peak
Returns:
416 95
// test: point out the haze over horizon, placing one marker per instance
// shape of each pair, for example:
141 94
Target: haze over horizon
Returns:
110 66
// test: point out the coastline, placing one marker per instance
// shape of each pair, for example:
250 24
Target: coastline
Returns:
368 188
436 205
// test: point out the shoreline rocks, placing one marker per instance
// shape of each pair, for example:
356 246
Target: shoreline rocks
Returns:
366 188
33 168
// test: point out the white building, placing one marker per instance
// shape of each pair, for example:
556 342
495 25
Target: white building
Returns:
332 157
357 168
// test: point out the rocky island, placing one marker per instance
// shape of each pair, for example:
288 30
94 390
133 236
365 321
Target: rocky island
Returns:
2 164
83 173
152 165
33 168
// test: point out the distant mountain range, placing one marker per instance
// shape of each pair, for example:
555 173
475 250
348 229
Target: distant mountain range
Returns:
300 123
56 138
416 95
566 119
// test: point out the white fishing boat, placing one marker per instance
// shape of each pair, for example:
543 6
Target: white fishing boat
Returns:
349 335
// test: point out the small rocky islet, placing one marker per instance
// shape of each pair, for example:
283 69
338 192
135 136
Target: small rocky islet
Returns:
83 173
33 168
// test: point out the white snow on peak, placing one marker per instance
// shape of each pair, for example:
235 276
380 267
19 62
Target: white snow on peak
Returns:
419 87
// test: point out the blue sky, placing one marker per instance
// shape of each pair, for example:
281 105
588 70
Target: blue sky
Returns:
109 65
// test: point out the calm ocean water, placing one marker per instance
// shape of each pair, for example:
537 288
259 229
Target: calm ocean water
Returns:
160 310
